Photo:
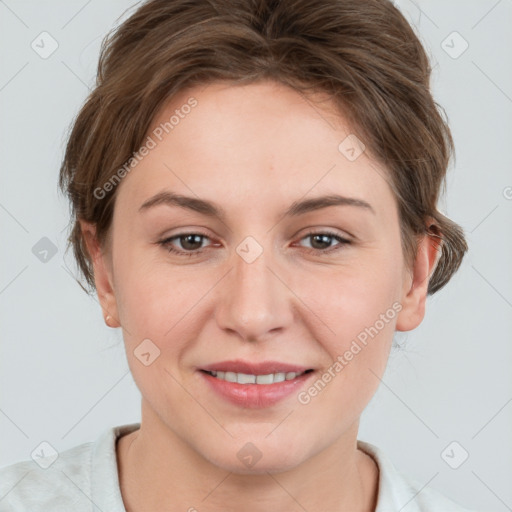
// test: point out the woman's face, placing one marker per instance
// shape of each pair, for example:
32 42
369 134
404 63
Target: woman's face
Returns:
253 284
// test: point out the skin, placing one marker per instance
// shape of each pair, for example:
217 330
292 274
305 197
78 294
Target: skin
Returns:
253 150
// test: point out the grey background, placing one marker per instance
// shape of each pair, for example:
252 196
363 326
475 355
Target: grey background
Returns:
64 376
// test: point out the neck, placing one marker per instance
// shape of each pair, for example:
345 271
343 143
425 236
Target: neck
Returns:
158 470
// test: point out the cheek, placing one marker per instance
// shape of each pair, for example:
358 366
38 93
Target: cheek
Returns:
165 305
351 297
358 309
156 306
153 297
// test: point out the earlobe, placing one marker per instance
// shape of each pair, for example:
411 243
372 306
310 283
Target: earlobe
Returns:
414 293
102 275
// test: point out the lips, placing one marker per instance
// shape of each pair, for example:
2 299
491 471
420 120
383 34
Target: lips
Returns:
255 385
256 395
253 368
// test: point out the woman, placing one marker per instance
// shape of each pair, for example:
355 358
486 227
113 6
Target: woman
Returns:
253 187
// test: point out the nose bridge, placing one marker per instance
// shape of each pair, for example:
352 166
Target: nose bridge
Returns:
254 301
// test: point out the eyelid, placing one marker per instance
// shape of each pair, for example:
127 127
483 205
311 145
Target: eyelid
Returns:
189 231
315 230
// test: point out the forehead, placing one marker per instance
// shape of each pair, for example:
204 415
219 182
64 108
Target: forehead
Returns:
261 142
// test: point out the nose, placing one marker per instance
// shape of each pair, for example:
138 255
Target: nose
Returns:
254 300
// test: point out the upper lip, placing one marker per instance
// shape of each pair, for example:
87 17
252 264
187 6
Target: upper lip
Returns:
252 368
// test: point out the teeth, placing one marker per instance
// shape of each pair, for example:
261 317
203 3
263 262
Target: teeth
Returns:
244 378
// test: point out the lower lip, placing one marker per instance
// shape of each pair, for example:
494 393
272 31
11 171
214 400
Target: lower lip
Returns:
256 396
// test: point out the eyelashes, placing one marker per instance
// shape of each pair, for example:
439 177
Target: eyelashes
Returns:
324 236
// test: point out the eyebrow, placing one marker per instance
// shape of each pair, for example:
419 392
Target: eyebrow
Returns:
211 210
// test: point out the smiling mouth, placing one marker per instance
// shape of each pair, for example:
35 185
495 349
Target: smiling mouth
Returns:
245 378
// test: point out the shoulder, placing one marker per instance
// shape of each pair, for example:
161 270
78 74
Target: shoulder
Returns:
398 491
79 478
47 485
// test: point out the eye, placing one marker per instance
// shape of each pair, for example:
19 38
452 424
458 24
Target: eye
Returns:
191 243
321 239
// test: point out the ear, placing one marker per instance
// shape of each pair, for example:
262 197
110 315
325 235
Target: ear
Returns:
102 273
414 292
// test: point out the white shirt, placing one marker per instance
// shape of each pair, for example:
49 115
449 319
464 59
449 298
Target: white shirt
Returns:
85 478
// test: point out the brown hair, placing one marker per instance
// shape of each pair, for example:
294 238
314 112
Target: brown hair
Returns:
362 53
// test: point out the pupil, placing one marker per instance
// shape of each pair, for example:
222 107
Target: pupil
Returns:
325 240
187 238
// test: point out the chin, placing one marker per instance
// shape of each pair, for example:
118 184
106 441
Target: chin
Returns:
274 464
258 457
